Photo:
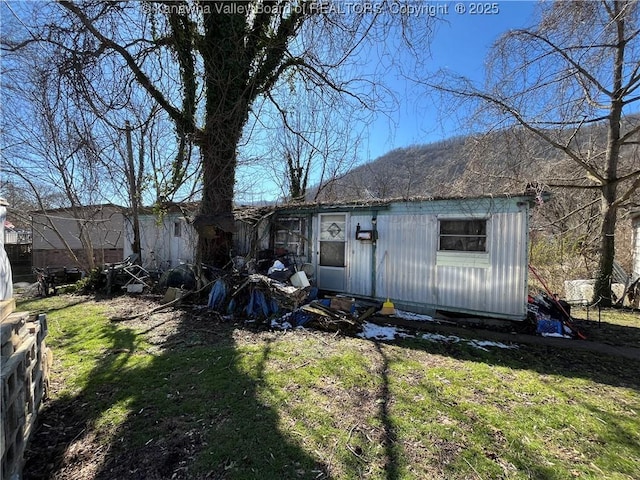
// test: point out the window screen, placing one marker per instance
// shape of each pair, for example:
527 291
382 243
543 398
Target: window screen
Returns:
332 254
333 240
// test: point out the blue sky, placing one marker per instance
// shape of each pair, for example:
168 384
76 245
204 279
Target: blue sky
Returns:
460 44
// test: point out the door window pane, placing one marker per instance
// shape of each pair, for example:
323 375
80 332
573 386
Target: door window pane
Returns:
332 254
332 228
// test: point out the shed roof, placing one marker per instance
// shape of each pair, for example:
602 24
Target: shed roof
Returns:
93 207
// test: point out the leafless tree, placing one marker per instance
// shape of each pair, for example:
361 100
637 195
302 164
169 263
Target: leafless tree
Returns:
313 145
53 152
577 68
138 168
65 129
206 63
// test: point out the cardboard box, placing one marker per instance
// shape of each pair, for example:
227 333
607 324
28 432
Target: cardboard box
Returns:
343 304
172 294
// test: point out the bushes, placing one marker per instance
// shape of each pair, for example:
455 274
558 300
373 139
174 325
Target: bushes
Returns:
558 258
92 282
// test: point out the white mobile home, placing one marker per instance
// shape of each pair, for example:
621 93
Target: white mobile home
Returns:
67 237
167 239
467 255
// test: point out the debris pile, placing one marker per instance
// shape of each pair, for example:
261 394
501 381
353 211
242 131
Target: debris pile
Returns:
551 316
255 296
261 298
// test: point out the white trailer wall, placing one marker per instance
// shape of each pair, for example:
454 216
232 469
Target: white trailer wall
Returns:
166 241
406 265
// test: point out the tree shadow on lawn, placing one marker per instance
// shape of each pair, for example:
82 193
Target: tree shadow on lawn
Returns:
613 370
191 411
25 305
391 445
509 450
608 332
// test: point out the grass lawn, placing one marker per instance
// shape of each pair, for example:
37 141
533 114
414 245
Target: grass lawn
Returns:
611 326
182 396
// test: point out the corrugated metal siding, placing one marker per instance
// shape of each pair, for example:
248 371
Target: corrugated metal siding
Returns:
408 243
509 254
500 288
403 263
104 225
243 238
406 250
157 235
359 258
249 239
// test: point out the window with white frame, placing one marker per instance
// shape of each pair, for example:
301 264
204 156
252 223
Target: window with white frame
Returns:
463 235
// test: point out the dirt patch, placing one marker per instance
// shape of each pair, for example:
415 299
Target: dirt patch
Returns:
165 329
162 459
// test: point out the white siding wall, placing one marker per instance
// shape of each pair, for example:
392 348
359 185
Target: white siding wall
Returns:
493 283
6 281
104 224
158 236
406 257
359 258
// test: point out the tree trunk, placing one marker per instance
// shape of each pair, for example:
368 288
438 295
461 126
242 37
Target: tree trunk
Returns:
226 112
223 129
134 196
87 245
215 223
609 207
602 291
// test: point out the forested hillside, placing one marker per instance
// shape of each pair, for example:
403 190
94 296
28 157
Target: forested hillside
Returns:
505 162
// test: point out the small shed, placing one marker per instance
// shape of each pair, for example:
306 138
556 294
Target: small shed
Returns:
467 255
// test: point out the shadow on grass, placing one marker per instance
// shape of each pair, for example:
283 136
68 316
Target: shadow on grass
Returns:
607 369
390 441
558 415
608 332
196 409
190 412
55 304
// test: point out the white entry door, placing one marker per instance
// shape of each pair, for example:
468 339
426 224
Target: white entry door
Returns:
332 250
